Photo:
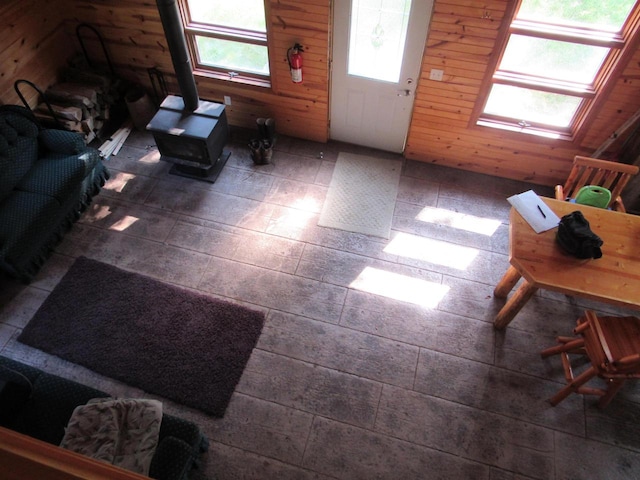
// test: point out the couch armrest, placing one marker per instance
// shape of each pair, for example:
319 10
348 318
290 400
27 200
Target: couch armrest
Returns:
61 141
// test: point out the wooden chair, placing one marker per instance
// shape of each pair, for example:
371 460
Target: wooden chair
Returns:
612 344
591 171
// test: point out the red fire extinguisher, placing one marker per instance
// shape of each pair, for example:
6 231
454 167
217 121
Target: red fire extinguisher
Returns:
294 56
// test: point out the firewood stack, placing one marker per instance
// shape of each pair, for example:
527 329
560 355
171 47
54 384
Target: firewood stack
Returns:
81 103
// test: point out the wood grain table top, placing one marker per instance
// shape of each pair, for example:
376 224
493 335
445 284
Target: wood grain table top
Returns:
614 278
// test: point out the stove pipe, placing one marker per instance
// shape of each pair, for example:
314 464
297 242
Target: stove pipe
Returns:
170 17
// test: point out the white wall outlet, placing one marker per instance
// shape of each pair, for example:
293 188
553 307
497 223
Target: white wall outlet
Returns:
436 74
227 100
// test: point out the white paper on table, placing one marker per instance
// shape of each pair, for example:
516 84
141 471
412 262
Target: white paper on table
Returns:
534 211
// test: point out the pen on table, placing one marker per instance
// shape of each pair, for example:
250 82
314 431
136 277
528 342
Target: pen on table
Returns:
541 212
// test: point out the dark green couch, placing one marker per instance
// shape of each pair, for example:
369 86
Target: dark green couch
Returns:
47 179
50 404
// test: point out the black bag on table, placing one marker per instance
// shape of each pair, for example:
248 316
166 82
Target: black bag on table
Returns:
576 238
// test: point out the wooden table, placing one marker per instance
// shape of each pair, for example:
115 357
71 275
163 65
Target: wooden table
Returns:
539 260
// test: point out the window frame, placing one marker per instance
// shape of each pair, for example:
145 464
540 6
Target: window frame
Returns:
192 29
621 46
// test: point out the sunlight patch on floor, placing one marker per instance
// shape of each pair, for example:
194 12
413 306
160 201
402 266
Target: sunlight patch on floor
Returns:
118 182
151 157
293 220
99 212
433 251
307 204
400 287
462 221
124 223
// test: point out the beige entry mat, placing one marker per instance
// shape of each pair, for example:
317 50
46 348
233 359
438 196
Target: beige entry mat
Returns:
362 195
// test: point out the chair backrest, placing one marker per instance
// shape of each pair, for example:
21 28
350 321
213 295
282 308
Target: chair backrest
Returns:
592 171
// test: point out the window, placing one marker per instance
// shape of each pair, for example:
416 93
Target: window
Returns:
556 59
228 39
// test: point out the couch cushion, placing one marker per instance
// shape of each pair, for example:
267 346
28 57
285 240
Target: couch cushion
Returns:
8 134
173 459
61 141
47 412
6 185
54 398
59 178
183 429
16 159
23 123
18 148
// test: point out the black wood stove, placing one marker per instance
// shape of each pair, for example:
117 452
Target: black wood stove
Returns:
189 132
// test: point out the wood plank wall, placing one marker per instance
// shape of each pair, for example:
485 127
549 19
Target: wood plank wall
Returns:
33 46
461 41
135 40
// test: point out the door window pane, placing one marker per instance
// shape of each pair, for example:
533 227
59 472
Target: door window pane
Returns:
245 14
377 38
572 62
532 106
233 55
607 15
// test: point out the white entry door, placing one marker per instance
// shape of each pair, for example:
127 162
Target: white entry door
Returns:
377 53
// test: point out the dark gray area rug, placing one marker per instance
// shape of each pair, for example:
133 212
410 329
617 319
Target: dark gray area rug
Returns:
166 340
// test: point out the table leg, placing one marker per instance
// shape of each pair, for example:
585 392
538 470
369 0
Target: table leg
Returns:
514 304
507 282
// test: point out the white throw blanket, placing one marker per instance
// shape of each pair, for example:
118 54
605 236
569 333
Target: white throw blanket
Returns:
122 432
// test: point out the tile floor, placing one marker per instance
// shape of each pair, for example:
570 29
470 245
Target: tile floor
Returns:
346 384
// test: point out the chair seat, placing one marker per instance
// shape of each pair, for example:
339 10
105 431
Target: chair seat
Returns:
622 338
612 345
